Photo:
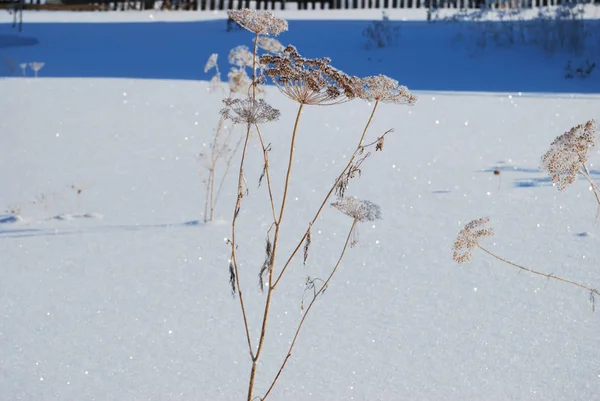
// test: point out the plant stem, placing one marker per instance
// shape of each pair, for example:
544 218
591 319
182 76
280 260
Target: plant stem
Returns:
308 309
267 173
547 275
271 288
318 213
253 356
236 211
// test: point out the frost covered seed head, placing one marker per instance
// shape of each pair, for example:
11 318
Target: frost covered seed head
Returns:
238 80
249 111
361 210
308 81
383 89
259 22
211 62
469 238
270 45
240 56
568 154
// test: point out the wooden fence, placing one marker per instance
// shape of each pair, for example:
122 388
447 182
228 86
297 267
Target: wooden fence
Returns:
119 5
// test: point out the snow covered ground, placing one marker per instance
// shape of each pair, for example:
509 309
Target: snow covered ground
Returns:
113 289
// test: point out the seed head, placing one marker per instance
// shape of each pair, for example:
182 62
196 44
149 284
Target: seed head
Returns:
238 80
568 154
211 62
383 89
240 56
308 81
270 45
249 111
469 238
259 22
361 210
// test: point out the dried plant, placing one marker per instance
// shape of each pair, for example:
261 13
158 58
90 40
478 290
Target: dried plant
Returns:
568 156
36 67
307 82
474 232
261 23
469 238
360 210
221 150
383 89
270 45
238 79
249 111
240 56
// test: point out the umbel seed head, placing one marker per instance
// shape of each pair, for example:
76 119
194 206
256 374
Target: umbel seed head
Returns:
568 154
469 238
259 22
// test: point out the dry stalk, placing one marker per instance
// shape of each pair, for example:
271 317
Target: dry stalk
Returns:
470 237
309 307
233 244
359 149
267 172
271 288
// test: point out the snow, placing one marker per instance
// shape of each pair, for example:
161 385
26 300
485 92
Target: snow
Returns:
113 289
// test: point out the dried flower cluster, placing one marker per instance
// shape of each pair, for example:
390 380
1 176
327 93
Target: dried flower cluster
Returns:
238 80
308 81
568 154
361 210
259 22
240 56
270 45
469 238
211 62
383 89
249 111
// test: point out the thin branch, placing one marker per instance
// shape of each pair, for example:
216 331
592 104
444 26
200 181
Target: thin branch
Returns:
276 235
359 148
241 180
267 173
233 243
308 309
547 275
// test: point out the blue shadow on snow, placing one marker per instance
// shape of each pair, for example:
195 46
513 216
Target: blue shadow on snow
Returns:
427 57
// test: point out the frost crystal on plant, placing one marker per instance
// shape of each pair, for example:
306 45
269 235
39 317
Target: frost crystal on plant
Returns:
469 238
308 81
240 56
568 154
270 45
383 89
361 210
249 111
238 80
211 62
259 22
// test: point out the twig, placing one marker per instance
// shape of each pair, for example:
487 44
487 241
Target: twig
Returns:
547 275
312 302
263 330
359 148
267 172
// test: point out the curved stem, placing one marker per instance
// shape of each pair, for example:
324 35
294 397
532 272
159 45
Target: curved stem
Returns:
308 309
263 331
233 241
253 356
337 181
547 275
